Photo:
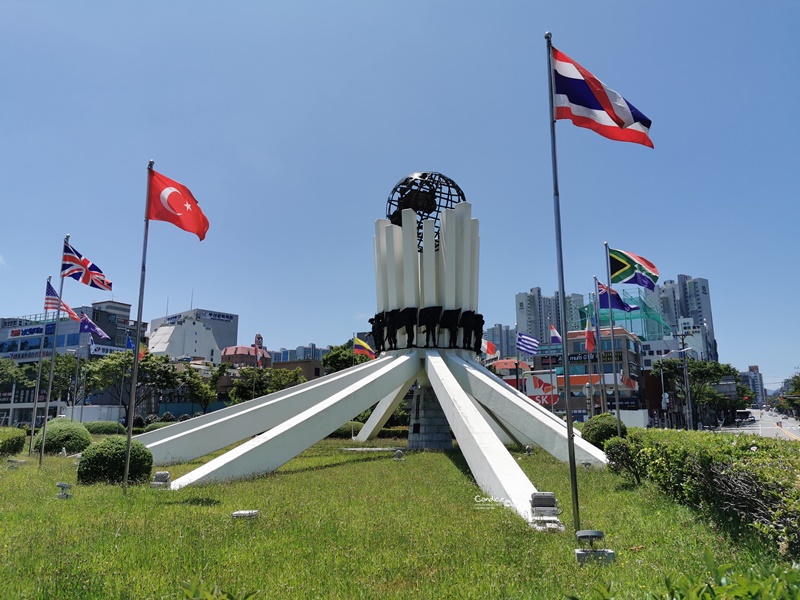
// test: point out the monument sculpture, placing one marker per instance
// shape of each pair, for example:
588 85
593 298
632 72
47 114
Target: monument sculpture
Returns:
426 276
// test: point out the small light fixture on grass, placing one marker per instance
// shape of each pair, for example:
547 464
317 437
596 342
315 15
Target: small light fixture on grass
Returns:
545 512
160 480
585 555
245 514
63 494
398 455
528 450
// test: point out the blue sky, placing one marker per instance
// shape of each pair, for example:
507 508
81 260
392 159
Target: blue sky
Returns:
292 121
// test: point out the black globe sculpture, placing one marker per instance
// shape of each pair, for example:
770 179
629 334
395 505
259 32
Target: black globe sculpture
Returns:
427 194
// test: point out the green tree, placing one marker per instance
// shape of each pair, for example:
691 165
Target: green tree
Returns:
63 376
254 383
703 376
197 389
112 374
9 373
342 357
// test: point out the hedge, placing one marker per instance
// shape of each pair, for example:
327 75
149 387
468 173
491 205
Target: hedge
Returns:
348 430
12 440
105 428
738 480
153 426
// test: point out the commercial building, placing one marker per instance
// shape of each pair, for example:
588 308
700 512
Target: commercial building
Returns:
224 326
29 338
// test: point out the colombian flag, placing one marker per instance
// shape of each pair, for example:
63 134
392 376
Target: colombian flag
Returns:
361 347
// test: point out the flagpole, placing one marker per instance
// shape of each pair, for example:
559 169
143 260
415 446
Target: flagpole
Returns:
39 374
135 374
613 348
600 364
550 370
52 360
565 344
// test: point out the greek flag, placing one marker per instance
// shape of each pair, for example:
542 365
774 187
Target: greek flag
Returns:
527 344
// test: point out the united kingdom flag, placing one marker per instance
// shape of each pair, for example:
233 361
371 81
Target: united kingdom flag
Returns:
74 265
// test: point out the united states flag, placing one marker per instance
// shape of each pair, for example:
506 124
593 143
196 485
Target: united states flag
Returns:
53 302
74 265
527 344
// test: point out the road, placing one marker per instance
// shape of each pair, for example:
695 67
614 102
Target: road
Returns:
766 425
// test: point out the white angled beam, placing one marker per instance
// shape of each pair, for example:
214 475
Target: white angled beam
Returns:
518 414
495 471
270 450
383 411
202 435
182 427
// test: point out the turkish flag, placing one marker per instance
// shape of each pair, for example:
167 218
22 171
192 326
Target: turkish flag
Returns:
168 200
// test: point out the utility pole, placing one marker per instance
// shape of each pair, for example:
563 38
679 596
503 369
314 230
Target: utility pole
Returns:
683 337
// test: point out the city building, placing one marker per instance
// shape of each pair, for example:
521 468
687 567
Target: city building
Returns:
753 379
224 326
690 298
185 338
504 338
310 352
246 356
593 374
28 338
536 312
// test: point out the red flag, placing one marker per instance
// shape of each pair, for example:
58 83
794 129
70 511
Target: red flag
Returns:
170 201
590 341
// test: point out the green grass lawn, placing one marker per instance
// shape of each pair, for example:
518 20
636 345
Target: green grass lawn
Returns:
338 524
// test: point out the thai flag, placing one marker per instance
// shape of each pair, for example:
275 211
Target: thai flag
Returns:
586 101
555 337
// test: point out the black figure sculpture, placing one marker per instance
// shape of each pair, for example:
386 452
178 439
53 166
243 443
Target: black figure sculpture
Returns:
449 322
477 332
408 319
392 325
466 327
378 323
429 319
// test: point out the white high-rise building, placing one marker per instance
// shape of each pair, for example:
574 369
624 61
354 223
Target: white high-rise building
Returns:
504 338
536 312
690 298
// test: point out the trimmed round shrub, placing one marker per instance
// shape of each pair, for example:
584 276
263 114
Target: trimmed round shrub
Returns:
601 428
138 421
63 433
184 417
104 462
12 440
197 414
153 426
105 428
167 417
151 418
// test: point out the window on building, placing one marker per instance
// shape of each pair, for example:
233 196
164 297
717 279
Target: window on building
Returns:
73 339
